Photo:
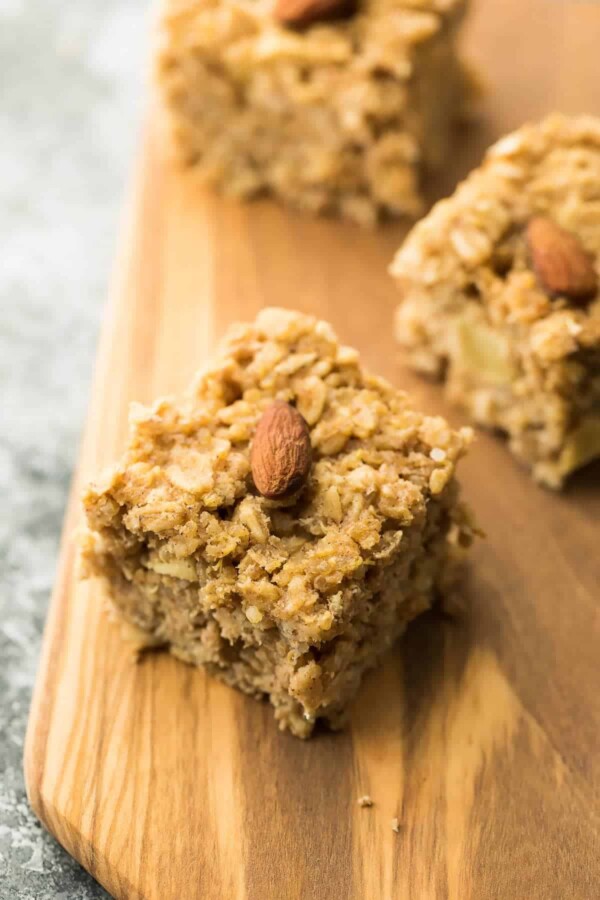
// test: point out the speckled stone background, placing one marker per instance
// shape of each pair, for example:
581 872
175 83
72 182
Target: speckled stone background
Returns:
71 95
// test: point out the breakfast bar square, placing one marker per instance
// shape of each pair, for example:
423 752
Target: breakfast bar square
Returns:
500 295
282 522
332 106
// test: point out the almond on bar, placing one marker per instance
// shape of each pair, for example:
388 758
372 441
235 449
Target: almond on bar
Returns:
281 454
560 261
301 13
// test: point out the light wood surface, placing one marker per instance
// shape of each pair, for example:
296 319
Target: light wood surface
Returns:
481 736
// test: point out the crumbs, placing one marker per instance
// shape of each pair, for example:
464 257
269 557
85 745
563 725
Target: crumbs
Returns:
366 802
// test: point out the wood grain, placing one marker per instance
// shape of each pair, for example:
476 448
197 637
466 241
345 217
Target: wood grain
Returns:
481 736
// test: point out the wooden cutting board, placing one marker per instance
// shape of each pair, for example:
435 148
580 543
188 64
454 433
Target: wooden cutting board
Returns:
481 736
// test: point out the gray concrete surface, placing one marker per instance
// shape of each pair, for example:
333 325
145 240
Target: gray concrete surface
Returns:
71 93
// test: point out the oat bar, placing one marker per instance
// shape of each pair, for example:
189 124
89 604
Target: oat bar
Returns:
338 114
292 596
500 296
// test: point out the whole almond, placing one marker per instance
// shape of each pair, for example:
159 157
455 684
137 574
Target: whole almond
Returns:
300 13
281 452
562 265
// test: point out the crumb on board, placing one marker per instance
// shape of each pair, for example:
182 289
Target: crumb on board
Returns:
365 801
395 825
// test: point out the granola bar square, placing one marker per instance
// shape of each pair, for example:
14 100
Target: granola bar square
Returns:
291 596
500 295
341 113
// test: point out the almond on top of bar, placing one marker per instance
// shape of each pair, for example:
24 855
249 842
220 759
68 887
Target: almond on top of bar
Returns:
500 294
332 106
282 522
